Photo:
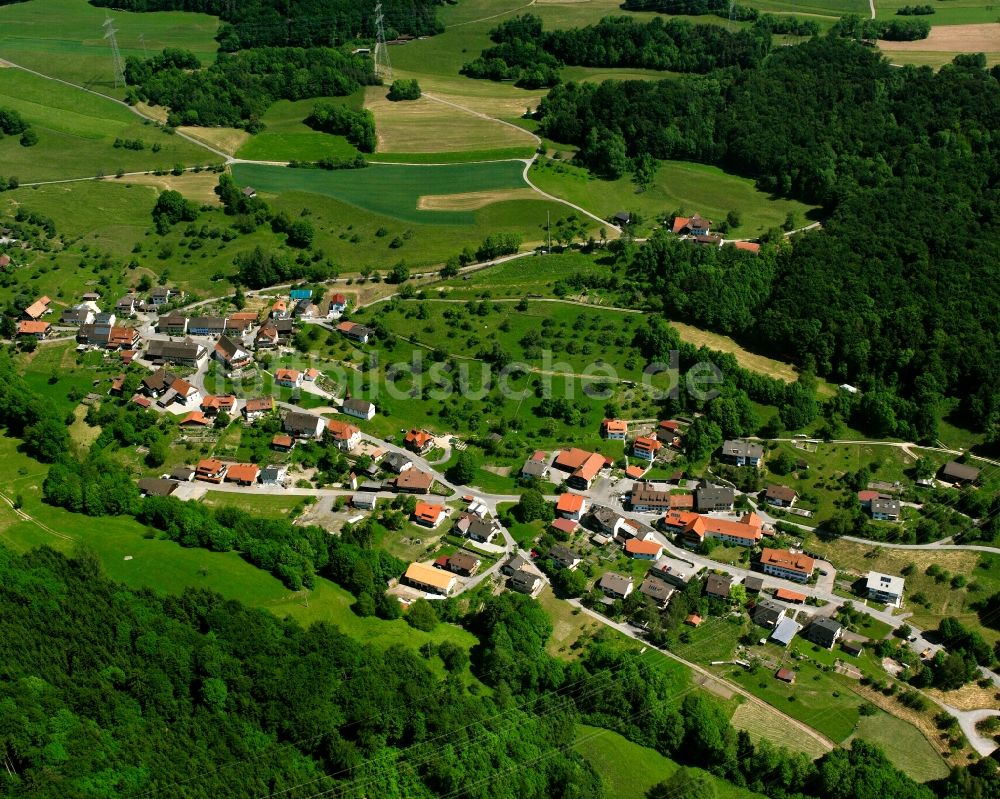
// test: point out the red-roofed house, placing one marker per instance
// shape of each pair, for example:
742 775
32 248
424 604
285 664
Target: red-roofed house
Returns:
786 595
614 429
244 474
283 442
418 441
635 472
428 514
570 506
694 225
30 327
346 435
212 404
210 470
788 565
567 526
645 448
38 308
643 550
290 378
195 419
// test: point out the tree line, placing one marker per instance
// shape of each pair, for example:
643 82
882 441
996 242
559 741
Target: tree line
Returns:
357 126
13 124
899 285
299 23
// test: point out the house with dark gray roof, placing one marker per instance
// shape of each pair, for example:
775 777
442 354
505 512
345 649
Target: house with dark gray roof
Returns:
359 408
657 590
304 425
564 557
709 497
955 472
616 586
742 453
768 613
156 487
824 632
396 462
188 353
718 585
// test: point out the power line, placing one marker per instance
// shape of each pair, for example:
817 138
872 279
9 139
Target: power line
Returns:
383 67
116 55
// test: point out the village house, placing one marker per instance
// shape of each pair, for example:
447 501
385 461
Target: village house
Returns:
156 487
824 632
564 557
643 550
179 391
657 590
742 453
885 510
305 309
959 473
213 404
787 565
525 582
754 584
570 506
282 442
645 498
273 474
289 378
358 408
710 497
645 448
780 496
695 225
279 310
536 466
161 295
364 500
255 408
195 419
475 528
418 441
581 466
564 526
668 431
310 375
615 586
345 435
186 353
790 596
77 315
785 631
231 354
718 586
338 304
885 588
768 613
210 470
461 563
207 326
694 528
414 481
429 579
244 474
602 519
358 333
38 309
304 425
428 514
123 338
614 429
396 462
126 306
266 338
172 324
30 327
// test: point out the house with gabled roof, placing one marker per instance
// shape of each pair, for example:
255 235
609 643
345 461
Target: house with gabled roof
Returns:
187 352
418 441
213 404
244 474
570 506
210 470
780 496
304 425
354 331
962 473
172 324
414 481
657 590
257 407
344 434
267 337
427 578
358 408
77 315
695 225
616 586
195 419
581 465
428 514
207 325
38 308
289 378
742 453
786 564
614 429
643 549
564 557
645 448
231 354
31 327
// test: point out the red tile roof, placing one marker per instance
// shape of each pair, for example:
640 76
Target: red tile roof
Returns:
636 546
789 596
242 473
634 471
614 426
417 438
282 440
567 526
783 559
195 417
31 328
680 222
569 503
341 431
428 512
287 375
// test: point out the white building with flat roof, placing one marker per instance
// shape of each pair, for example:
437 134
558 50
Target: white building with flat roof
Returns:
885 588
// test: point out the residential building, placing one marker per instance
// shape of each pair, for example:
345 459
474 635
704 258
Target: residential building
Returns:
256 408
126 305
786 564
414 481
428 514
514 564
582 466
886 510
635 472
207 325
536 466
418 441
273 474
476 528
396 462
172 324
564 557
789 596
38 308
156 487
955 472
768 613
358 333
30 327
429 579
195 419
359 408
682 502
641 549
156 383
279 310
694 528
645 498
123 338
780 496
885 588
695 225
462 563
675 571
242 321
106 319
161 295
305 309
742 453
565 526
667 431
824 632
289 378
718 585
645 448
710 498
213 404
525 582
754 584
304 425
77 315
657 590
210 470
602 519
570 506
266 338
785 631
364 500
231 354
244 474
616 586
187 352
178 390
345 435
283 442
338 304
614 429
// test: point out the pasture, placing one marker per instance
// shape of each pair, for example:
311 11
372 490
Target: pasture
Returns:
65 38
76 132
904 745
762 723
286 136
946 12
678 186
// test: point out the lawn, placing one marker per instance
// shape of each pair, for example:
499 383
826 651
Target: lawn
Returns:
286 137
678 186
628 770
904 745
76 131
764 723
952 12
65 38
268 505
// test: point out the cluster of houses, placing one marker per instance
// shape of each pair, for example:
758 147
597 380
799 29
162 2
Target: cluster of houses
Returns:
698 230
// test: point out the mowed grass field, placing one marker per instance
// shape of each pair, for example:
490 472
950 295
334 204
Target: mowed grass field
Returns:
286 136
904 745
76 131
946 12
678 186
65 38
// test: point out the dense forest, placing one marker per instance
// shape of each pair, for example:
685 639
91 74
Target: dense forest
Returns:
237 89
531 57
299 23
898 291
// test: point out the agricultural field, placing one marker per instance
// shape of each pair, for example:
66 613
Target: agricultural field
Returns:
946 12
65 39
76 132
945 42
678 186
761 723
904 745
286 137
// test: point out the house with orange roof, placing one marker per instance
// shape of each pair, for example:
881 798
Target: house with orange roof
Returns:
786 564
283 442
570 506
279 310
212 404
582 466
256 408
355 331
195 419
645 448
427 578
244 474
338 304
695 225
643 550
634 472
787 595
31 327
428 514
310 375
290 378
38 308
614 429
418 441
344 434
123 338
210 470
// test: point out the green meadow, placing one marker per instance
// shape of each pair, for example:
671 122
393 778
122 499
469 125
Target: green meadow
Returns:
952 12
76 131
65 38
